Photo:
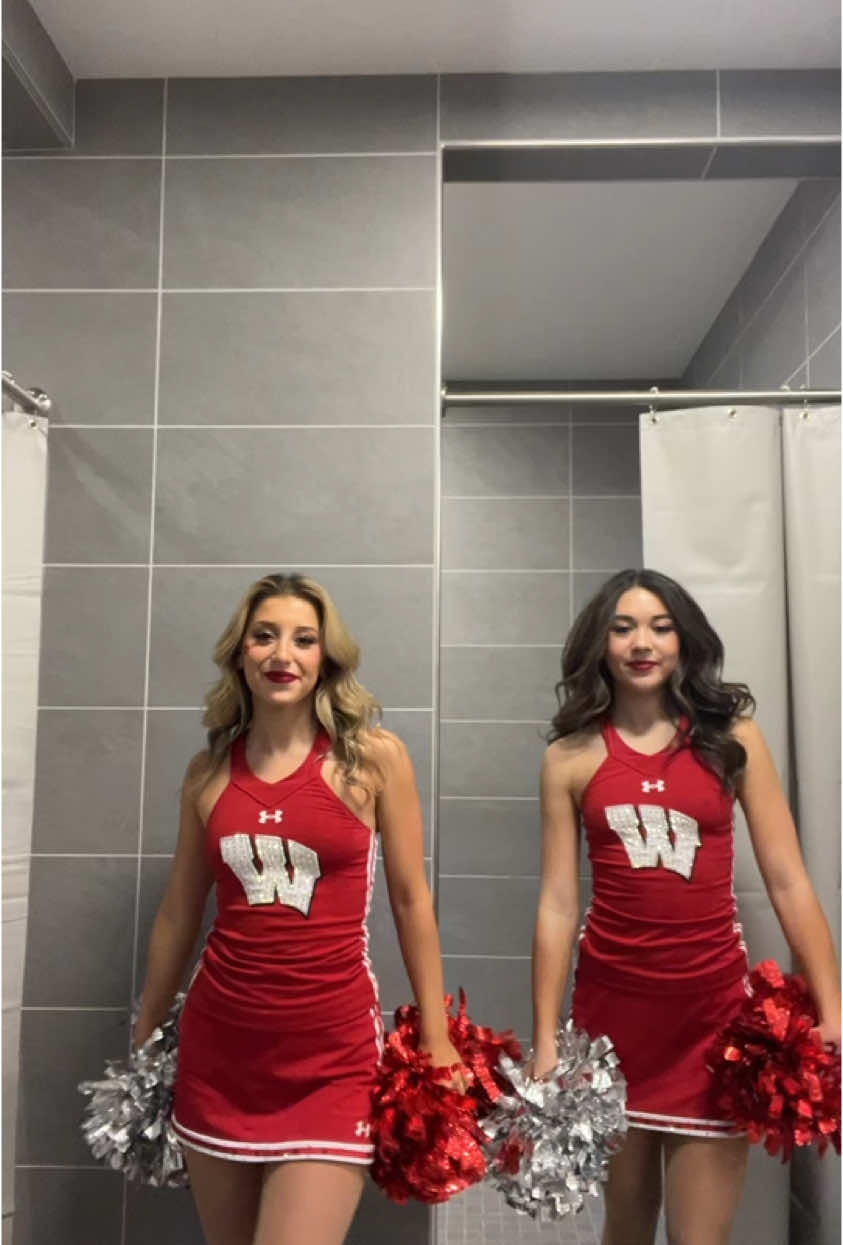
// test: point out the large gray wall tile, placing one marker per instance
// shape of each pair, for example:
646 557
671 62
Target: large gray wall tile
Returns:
258 223
68 1207
487 916
172 738
578 105
81 223
587 583
260 116
505 461
98 499
825 365
416 731
393 984
607 533
85 906
94 354
298 493
497 533
605 460
773 345
389 612
489 607
716 344
498 684
337 358
489 836
498 991
816 197
504 413
165 1216
822 279
58 1050
490 759
155 871
87 781
775 101
772 259
121 117
93 633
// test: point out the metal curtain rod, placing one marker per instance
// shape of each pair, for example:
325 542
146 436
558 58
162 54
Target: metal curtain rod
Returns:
638 397
33 400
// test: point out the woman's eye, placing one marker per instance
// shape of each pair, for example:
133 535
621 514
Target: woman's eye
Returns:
306 640
262 637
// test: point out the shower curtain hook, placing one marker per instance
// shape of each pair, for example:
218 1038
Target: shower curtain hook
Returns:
804 411
654 419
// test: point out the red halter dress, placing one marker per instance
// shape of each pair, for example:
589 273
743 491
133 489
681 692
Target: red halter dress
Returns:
662 963
281 1032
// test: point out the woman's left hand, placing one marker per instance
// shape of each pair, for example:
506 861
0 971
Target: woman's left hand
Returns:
443 1054
828 1031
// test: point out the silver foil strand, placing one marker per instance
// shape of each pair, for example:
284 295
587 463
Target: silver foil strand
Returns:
127 1123
548 1142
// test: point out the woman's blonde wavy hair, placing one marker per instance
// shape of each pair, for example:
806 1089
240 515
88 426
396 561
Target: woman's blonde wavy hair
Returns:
345 709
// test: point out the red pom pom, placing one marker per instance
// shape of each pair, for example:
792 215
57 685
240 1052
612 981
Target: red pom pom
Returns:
428 1144
774 1078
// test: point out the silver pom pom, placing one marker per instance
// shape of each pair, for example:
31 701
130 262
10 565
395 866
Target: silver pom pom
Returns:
549 1141
127 1122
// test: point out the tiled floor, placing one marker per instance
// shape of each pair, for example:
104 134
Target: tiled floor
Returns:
480 1216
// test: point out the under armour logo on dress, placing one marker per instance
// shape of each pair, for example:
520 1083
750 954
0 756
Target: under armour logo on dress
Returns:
363 1129
658 785
628 822
289 870
264 816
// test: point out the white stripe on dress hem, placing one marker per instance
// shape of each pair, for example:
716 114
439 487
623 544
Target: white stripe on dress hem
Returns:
684 1132
315 1156
271 1145
681 1119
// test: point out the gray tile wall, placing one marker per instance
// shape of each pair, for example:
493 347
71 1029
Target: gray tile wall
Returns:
781 325
243 358
538 507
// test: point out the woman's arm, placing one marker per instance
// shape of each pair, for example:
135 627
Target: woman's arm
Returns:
179 915
777 851
557 919
399 820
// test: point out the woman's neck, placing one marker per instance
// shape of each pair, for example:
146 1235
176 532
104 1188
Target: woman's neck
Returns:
638 715
282 729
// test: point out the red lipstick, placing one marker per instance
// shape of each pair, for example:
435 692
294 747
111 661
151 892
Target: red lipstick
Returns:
281 676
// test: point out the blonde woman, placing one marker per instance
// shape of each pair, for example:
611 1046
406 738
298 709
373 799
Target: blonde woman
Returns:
281 1031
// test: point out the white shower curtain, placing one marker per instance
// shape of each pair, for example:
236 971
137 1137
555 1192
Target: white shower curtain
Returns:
24 450
742 505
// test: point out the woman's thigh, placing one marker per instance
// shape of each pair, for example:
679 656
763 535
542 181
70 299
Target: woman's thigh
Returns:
308 1200
227 1196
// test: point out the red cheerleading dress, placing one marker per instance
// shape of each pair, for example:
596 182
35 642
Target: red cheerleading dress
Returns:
662 962
281 1031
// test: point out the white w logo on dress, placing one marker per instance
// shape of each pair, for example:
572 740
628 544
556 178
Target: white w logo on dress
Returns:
647 853
289 870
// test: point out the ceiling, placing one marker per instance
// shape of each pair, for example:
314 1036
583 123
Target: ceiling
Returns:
593 280
173 38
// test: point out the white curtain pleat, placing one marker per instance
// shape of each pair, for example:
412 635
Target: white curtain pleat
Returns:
711 502
811 461
24 449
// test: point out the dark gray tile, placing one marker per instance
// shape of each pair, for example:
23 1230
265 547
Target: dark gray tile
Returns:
416 730
330 222
825 365
166 1216
94 354
98 497
261 116
816 197
389 612
586 584
381 1222
607 533
524 534
605 460
87 781
779 101
393 984
489 836
505 413
317 498
498 991
58 1050
487 916
595 413
778 250
335 358
79 934
155 871
81 223
822 279
67 1207
717 342
119 117
773 345
30 49
498 684
577 105
729 374
489 607
172 738
787 158
492 759
93 636
513 462
25 127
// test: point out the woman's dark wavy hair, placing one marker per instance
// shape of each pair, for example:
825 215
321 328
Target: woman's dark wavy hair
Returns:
695 689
